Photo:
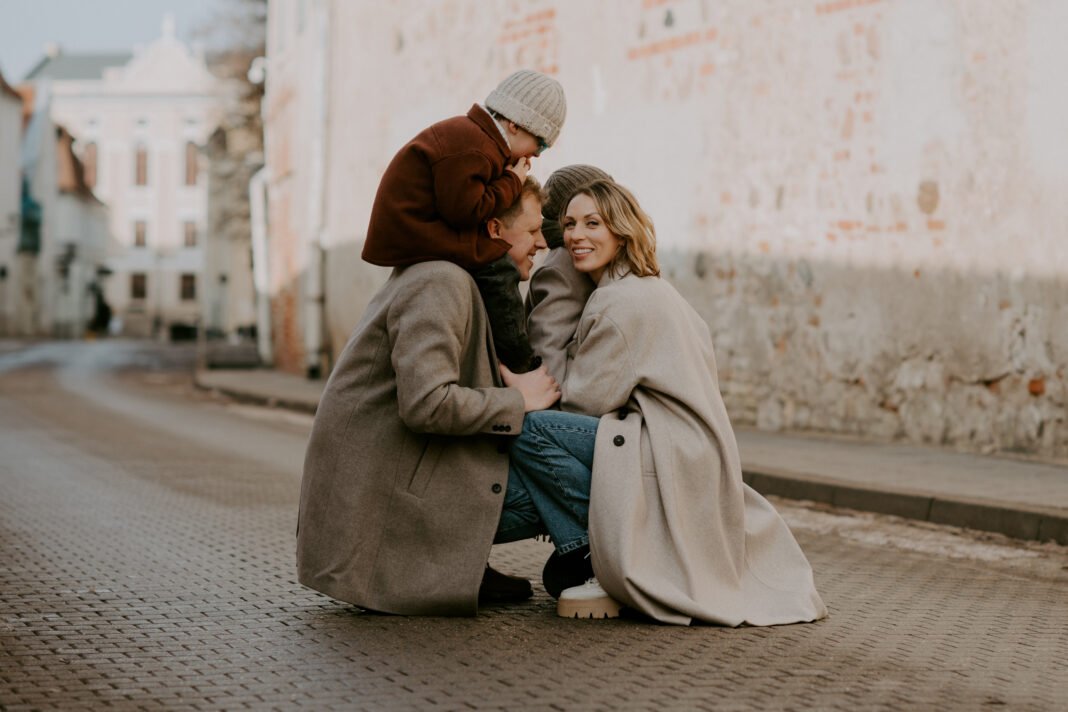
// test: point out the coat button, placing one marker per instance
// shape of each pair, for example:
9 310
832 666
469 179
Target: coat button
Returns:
508 428
496 488
618 440
496 428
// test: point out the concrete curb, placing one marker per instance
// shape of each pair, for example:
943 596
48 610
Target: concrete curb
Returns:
253 398
1014 520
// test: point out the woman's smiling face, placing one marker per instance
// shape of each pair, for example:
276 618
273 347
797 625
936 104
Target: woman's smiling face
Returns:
591 245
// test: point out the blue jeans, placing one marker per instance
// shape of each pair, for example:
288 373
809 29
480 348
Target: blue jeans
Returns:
549 471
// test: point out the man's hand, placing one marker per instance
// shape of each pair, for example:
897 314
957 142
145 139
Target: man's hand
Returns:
521 167
539 389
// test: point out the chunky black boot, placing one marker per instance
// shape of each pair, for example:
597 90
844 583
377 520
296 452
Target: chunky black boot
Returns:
564 571
502 588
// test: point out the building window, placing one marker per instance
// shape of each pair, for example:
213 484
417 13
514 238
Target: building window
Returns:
89 165
140 238
188 287
190 229
141 165
190 163
138 285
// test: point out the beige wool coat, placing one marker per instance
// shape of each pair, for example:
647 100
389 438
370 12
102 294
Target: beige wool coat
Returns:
674 532
557 296
407 464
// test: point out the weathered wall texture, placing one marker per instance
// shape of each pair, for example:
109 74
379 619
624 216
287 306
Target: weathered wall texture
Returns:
864 198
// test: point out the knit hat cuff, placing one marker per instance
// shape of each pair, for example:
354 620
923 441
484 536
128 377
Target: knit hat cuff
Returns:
524 116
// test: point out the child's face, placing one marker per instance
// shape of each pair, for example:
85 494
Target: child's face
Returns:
524 144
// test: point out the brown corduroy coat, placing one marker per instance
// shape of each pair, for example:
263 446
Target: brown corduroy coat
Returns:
674 532
406 468
438 192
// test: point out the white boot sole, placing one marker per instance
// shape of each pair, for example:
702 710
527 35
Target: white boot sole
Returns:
604 607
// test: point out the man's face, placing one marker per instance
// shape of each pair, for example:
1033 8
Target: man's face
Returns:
524 235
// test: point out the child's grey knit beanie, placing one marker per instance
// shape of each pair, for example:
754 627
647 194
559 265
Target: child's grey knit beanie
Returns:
533 100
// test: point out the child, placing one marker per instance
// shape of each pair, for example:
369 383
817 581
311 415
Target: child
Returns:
444 185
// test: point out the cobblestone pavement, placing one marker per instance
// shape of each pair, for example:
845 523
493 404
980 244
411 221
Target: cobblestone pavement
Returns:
146 561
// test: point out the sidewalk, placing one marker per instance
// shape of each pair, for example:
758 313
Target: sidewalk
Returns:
1021 499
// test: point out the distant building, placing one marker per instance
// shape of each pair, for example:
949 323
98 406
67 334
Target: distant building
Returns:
58 259
139 122
10 198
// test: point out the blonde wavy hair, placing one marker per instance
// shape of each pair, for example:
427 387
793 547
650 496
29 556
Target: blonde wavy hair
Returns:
625 219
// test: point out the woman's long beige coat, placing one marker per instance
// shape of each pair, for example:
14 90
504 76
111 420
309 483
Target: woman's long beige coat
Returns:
674 531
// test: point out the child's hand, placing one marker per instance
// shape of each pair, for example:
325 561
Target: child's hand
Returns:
521 167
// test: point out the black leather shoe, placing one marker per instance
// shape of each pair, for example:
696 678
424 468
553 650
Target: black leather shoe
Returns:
572 569
502 588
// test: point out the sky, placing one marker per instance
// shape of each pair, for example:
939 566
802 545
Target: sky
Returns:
91 26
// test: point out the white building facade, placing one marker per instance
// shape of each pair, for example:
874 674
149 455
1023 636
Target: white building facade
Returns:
10 197
139 122
58 261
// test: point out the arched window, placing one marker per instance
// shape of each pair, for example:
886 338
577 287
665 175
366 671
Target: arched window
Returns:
141 165
89 165
190 163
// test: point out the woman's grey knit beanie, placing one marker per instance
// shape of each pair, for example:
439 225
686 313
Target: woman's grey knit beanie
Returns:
532 100
560 186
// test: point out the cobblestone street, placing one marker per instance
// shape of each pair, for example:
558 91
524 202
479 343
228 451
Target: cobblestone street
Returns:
146 560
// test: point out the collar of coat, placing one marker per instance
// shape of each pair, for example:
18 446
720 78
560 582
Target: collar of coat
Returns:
614 275
485 122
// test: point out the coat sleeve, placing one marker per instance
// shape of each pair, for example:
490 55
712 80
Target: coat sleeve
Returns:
601 375
428 326
557 296
466 191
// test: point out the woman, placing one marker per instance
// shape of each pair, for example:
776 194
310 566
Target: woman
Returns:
558 293
673 530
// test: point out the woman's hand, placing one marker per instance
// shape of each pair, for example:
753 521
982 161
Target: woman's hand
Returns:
540 390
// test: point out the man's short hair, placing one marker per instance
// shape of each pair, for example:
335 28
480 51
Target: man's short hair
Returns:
531 186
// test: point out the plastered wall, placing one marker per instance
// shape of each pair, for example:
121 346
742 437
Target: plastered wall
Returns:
863 198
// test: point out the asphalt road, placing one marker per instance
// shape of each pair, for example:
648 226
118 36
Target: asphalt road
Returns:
146 560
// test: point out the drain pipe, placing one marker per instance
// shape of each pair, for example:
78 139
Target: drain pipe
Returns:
257 198
315 348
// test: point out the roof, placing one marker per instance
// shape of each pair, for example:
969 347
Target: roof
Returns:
77 66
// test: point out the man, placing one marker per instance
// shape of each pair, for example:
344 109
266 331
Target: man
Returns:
407 466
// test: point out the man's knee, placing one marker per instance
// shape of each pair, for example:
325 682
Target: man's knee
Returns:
533 432
536 420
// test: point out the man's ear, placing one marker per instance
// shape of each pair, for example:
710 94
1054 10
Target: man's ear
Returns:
493 226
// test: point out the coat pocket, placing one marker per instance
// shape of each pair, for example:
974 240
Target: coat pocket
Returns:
424 469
